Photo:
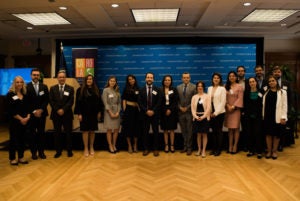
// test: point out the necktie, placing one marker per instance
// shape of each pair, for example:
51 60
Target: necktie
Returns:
61 91
184 90
149 98
36 88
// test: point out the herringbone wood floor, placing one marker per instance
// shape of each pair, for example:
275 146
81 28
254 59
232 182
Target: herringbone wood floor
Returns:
124 176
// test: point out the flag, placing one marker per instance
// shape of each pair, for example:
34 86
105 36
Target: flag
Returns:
62 61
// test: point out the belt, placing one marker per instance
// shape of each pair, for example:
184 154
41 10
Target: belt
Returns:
134 104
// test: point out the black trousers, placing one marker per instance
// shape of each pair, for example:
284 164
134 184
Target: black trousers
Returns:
216 124
60 122
153 121
37 134
17 139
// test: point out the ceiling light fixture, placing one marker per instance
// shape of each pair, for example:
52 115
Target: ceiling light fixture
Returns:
155 15
42 18
266 15
115 5
63 8
247 4
29 28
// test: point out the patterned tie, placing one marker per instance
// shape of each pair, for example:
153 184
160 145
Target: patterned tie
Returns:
149 98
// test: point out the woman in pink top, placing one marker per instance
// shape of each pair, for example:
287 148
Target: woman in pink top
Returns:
234 103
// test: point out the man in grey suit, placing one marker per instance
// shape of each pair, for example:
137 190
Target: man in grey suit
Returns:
186 90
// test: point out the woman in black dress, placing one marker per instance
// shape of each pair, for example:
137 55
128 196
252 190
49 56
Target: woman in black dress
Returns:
19 116
88 107
169 112
274 115
200 107
130 124
253 118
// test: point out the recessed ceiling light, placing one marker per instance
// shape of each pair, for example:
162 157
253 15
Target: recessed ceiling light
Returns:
186 24
115 5
29 28
125 25
155 15
63 8
42 18
266 15
283 24
247 4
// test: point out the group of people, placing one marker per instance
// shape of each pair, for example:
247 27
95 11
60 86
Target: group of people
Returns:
258 104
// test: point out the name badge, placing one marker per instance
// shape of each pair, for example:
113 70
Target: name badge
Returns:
110 95
170 92
66 93
284 87
259 94
41 93
231 91
137 92
15 97
265 88
154 92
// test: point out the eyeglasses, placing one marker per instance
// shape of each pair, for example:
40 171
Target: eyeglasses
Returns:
35 74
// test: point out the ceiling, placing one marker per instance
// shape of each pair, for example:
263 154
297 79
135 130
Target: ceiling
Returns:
96 18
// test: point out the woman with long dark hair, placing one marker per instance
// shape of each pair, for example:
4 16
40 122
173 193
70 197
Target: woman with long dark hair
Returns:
130 123
234 103
88 107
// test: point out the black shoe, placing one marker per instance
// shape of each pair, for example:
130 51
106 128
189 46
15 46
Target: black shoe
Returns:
145 153
250 154
280 148
155 153
259 156
183 151
42 156
57 155
70 153
13 162
34 157
217 153
189 152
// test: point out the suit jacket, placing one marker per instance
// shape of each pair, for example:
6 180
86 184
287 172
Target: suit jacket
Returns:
219 99
39 101
185 101
156 100
281 105
64 103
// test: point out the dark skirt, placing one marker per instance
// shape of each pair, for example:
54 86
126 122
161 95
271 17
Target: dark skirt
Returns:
201 126
272 128
131 121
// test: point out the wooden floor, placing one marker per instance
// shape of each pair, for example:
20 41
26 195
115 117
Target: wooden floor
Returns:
170 177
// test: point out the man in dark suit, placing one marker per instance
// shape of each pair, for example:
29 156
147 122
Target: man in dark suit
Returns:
186 90
259 76
61 100
38 98
149 102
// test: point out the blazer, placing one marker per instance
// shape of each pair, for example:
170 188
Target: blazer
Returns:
65 103
173 100
39 101
219 99
206 101
156 100
185 101
281 105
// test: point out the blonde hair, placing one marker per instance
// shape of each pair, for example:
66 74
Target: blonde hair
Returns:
116 87
13 85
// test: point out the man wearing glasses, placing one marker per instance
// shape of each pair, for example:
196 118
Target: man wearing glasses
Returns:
38 98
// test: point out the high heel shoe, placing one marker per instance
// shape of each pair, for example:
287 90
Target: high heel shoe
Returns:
92 152
268 155
172 149
22 161
13 162
198 153
166 148
111 150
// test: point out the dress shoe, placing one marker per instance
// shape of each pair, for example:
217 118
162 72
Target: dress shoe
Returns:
155 153
42 156
34 157
259 156
217 153
189 152
13 162
145 153
70 154
57 155
198 153
250 154
22 161
212 153
166 148
172 149
280 148
183 151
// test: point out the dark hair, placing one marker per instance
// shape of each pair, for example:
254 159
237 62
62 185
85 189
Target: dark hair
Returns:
219 75
149 73
277 85
128 87
228 83
276 68
200 82
162 82
258 66
243 67
35 69
247 84
84 87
